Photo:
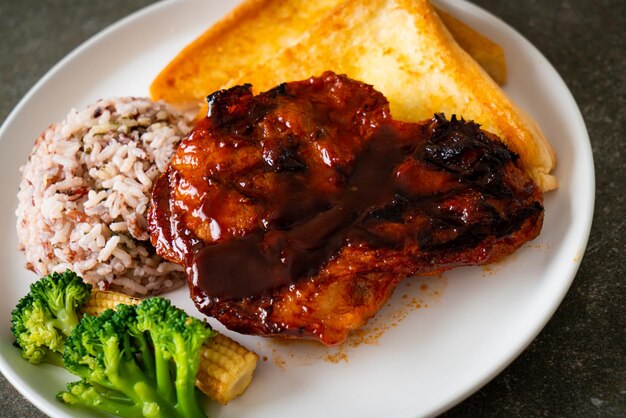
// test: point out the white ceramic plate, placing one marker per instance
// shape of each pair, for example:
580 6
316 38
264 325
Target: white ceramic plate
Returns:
472 322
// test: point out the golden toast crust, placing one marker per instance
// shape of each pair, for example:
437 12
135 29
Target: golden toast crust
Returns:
403 49
487 53
252 32
257 29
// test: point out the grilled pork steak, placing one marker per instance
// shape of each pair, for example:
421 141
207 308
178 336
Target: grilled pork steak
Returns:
297 212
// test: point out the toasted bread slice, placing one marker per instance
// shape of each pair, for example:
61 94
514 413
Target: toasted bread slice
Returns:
487 53
252 32
258 29
403 49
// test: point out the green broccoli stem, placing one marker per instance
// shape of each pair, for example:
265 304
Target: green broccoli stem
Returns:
111 394
68 316
127 377
64 322
53 358
188 404
186 370
163 375
146 355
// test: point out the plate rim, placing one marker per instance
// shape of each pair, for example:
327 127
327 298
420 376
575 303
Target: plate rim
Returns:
35 398
584 231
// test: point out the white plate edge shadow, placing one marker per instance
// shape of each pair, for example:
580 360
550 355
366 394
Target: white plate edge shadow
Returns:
588 184
44 403
581 238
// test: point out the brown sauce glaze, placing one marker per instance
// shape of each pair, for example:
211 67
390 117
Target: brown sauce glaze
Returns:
304 229
296 243
297 211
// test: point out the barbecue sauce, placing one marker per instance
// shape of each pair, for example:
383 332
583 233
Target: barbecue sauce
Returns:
278 256
297 211
340 171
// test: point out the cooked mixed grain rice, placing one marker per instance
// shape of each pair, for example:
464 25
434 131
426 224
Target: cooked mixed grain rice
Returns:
85 190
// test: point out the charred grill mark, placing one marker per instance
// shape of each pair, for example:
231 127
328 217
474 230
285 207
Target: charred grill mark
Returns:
284 158
461 148
393 212
279 90
514 222
221 101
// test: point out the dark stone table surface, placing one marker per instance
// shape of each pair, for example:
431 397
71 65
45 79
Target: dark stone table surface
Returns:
576 367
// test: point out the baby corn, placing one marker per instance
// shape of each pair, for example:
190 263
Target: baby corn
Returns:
101 300
226 367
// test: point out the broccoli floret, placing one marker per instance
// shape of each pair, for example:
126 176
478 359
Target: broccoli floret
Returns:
101 351
134 354
47 315
179 337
